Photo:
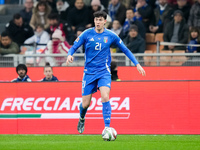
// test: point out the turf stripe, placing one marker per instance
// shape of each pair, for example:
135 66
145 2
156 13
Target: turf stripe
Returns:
20 116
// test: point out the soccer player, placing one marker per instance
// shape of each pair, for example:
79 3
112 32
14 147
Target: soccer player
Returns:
97 75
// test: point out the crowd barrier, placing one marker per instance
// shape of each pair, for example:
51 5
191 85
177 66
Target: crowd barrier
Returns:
146 59
149 107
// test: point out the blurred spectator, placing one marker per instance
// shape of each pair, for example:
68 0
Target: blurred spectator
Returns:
184 6
6 45
144 12
40 14
78 33
18 30
55 23
116 27
95 6
78 16
117 11
87 2
152 3
130 21
48 72
26 13
114 71
126 3
176 31
194 18
51 3
105 3
40 36
174 2
70 2
134 42
194 38
163 14
21 70
62 9
56 46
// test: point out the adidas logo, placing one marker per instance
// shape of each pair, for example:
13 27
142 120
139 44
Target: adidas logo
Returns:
107 119
91 39
108 84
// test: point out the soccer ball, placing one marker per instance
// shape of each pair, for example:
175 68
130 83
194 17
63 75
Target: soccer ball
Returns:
109 134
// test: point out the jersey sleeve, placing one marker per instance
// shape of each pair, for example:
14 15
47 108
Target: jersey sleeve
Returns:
119 43
77 43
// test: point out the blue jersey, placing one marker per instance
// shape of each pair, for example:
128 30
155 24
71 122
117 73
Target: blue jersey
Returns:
97 50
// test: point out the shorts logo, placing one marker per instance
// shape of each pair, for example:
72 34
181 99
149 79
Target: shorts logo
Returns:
105 39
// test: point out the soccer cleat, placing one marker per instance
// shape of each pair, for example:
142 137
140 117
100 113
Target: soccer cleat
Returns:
81 125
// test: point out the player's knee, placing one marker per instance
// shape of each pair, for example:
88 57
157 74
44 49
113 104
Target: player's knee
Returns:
105 98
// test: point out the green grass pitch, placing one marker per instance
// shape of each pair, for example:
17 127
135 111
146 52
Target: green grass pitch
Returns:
95 142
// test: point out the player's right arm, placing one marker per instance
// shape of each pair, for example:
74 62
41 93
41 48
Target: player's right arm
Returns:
77 43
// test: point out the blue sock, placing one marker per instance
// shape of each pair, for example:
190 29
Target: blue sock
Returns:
82 111
106 113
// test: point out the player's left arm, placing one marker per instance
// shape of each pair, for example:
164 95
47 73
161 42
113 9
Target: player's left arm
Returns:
119 43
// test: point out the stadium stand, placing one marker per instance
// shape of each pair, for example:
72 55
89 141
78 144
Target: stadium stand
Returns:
7 14
150 38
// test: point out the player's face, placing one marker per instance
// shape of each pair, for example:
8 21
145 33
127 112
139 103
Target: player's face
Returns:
21 73
99 23
48 72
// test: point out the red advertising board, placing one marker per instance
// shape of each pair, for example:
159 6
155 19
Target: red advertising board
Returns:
124 73
158 107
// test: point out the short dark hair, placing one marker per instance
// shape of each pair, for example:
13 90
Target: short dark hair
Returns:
47 65
130 8
17 16
21 66
53 16
100 14
133 27
4 34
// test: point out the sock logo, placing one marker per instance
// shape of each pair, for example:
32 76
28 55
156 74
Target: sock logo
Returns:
107 119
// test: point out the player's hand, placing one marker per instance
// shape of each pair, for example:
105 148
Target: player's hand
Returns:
69 59
141 70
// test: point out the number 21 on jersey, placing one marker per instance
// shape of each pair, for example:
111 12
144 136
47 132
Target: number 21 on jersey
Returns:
98 46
